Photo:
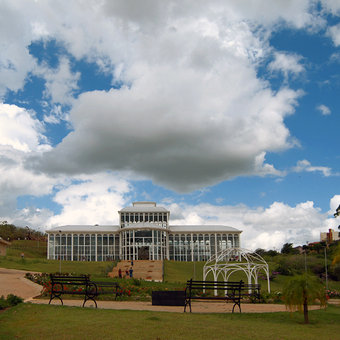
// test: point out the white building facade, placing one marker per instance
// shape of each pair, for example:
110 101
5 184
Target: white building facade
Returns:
144 233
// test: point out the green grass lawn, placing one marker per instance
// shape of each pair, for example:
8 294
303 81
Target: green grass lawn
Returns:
30 248
96 269
29 321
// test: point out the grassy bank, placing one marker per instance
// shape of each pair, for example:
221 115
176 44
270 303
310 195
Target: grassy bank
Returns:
30 248
29 321
95 269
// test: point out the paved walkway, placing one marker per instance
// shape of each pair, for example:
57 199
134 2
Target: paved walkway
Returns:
12 281
197 306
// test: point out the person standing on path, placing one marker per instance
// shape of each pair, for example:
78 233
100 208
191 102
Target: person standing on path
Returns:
131 272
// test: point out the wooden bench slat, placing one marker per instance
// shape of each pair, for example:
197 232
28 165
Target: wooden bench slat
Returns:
232 292
88 288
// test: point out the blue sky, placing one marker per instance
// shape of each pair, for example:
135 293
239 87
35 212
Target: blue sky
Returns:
225 113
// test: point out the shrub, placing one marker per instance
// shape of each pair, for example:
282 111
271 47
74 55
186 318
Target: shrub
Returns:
334 272
3 303
136 282
12 300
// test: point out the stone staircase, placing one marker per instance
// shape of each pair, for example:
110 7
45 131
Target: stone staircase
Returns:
148 270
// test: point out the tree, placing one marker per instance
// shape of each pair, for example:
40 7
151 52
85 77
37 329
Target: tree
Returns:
301 291
260 251
336 258
272 252
11 232
287 248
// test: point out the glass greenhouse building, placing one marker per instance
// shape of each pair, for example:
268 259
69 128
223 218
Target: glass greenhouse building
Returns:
144 233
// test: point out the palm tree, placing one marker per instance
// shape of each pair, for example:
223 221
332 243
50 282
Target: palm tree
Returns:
301 291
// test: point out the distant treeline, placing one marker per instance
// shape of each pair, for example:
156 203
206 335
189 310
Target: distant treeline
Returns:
10 232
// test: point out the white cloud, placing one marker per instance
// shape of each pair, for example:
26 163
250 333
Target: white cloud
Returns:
334 203
193 111
94 200
60 83
325 110
334 33
32 217
265 169
20 130
288 64
266 228
204 136
333 223
15 60
55 114
105 32
333 6
17 181
305 165
20 134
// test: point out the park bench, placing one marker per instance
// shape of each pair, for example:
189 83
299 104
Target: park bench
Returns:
251 291
196 290
81 285
108 288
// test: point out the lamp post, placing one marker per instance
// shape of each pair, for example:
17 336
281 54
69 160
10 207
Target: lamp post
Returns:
60 252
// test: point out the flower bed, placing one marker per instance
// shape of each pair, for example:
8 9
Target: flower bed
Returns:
131 289
332 294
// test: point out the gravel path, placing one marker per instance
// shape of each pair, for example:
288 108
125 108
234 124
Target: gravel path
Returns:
12 281
197 306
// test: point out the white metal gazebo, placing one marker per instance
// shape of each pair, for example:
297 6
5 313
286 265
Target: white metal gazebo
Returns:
231 260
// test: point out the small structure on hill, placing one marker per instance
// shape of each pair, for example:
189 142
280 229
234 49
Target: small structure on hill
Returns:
231 260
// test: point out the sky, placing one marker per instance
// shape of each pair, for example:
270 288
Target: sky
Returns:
224 112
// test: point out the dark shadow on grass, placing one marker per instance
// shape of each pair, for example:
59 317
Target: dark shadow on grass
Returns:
154 318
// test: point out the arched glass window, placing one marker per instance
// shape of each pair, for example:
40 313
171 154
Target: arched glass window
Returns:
195 245
236 240
51 246
206 247
183 248
105 247
230 240
63 247
69 247
57 246
171 247
212 244
93 247
87 248
99 247
75 247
